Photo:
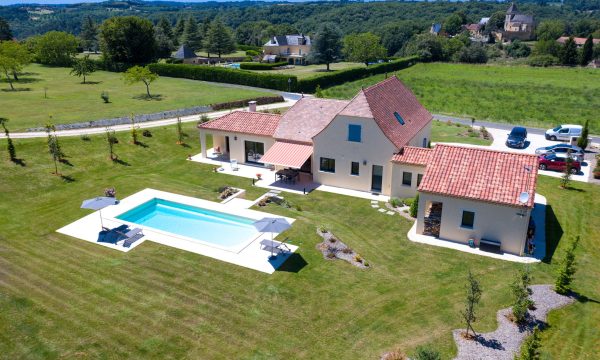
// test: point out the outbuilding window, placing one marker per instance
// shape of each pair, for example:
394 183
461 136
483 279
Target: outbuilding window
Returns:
468 219
406 178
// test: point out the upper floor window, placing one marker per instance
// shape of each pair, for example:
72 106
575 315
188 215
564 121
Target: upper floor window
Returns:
354 133
399 118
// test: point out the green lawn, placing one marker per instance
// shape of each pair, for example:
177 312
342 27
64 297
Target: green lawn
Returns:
312 70
456 133
541 97
68 100
62 297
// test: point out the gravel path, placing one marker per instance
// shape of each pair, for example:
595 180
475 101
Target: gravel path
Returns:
505 342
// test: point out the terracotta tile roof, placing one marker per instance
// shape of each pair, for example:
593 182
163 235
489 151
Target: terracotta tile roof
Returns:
306 118
413 155
480 174
287 154
579 41
381 101
246 122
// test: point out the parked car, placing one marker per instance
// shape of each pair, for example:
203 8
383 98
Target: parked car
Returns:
557 163
577 153
563 132
517 138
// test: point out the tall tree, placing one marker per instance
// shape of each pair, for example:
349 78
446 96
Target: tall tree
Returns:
550 30
82 67
568 54
167 28
5 31
453 23
127 39
219 39
583 140
89 34
327 45
192 37
587 52
13 56
137 74
179 28
56 48
363 48
164 44
521 292
472 299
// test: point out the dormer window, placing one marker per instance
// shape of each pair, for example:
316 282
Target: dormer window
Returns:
399 118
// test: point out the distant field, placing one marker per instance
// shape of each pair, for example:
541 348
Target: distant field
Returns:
311 70
68 100
540 97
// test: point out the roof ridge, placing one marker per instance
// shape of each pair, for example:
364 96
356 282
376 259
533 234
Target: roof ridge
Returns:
384 81
484 149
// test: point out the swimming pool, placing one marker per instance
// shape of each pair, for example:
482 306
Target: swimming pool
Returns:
230 232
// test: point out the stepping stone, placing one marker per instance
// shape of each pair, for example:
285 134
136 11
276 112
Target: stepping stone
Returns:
390 212
374 206
381 210
374 201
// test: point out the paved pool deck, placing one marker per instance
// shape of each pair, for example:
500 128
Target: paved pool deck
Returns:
253 254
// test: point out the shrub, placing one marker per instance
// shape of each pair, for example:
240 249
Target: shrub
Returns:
414 207
347 250
542 60
394 355
395 202
249 47
323 229
596 172
408 201
105 97
224 75
426 353
566 270
252 53
529 350
261 66
85 137
358 258
204 118
146 133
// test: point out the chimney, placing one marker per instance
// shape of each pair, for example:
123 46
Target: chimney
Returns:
252 106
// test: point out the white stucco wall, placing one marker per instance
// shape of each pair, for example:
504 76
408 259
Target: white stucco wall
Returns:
404 191
424 133
492 221
236 147
374 149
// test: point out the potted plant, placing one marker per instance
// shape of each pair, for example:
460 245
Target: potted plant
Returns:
259 176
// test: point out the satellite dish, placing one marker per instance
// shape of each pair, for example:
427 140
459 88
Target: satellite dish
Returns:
524 197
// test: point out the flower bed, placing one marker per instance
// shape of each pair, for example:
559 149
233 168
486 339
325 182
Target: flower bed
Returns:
333 248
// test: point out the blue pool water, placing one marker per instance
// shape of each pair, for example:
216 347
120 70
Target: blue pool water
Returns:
196 223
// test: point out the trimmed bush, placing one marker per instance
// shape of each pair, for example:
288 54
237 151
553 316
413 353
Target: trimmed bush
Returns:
309 85
252 53
224 75
542 60
241 103
261 66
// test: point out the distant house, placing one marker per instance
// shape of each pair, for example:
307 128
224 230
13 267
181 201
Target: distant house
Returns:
290 48
474 29
186 54
579 41
435 29
517 26
484 21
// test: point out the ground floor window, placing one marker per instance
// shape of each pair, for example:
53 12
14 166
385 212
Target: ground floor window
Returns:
354 168
406 178
254 151
468 219
327 165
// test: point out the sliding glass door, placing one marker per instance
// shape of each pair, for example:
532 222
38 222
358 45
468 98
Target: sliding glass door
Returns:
254 151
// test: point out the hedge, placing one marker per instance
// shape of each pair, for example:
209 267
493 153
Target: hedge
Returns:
309 85
249 47
261 66
225 75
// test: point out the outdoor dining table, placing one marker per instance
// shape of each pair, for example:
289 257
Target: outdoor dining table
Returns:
287 174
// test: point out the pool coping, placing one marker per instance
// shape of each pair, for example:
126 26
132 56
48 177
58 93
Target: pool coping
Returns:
252 255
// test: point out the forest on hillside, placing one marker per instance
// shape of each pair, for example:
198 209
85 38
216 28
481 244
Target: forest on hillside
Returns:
350 17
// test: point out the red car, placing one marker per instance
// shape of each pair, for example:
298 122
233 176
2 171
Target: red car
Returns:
553 162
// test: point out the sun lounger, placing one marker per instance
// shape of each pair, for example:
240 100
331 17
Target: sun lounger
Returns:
131 236
276 245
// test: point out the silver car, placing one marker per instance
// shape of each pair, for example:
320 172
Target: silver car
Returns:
577 153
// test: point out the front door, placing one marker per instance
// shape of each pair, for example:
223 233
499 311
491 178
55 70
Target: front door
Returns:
377 178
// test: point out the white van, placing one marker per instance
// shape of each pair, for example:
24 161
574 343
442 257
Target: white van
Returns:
563 132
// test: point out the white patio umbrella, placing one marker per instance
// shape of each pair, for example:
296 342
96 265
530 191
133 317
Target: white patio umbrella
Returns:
272 225
99 203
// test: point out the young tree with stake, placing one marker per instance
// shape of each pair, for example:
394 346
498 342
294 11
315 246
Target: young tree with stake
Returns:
83 67
10 147
566 270
472 299
180 134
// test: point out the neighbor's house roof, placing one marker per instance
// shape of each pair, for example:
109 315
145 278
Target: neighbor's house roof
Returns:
185 52
381 101
473 27
484 20
512 9
580 41
480 174
436 28
245 122
412 155
306 118
289 40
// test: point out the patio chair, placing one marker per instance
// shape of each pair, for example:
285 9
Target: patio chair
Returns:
217 151
234 165
131 236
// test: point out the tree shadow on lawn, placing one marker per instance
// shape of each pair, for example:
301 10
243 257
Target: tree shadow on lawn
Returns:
554 233
142 144
294 263
19 162
121 162
67 178
66 162
156 97
16 90
87 82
